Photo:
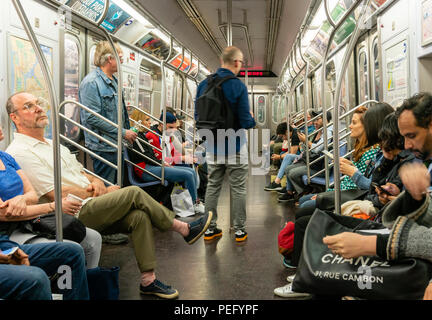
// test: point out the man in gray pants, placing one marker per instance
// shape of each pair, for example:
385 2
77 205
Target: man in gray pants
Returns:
229 152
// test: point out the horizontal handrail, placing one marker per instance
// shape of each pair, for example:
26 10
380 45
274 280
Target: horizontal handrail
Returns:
84 149
89 131
99 177
146 113
88 110
143 169
144 156
331 165
143 126
187 114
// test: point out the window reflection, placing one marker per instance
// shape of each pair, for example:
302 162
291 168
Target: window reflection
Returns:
71 86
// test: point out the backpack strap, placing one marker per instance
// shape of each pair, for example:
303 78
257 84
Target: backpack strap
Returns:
222 80
218 80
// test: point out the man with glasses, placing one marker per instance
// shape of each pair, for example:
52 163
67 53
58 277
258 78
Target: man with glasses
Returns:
231 159
98 91
106 210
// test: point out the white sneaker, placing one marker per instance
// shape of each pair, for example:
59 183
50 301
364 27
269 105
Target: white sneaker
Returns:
290 279
199 208
287 292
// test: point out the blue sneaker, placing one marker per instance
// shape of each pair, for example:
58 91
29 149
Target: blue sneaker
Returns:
198 227
287 264
159 289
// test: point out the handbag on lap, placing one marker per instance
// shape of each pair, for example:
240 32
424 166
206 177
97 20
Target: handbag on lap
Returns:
45 226
322 272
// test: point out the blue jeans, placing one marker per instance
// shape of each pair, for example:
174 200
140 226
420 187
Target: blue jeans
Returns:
32 283
181 174
287 160
102 169
307 202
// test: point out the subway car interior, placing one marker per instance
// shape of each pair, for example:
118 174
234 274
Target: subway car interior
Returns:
313 65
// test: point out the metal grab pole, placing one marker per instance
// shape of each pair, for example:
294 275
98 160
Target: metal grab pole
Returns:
104 14
54 116
345 62
229 18
119 110
163 107
306 108
323 78
194 125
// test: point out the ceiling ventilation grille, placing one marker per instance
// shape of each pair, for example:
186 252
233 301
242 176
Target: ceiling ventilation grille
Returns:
275 11
193 14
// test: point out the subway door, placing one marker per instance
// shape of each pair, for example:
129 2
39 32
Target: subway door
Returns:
363 69
375 67
72 58
260 102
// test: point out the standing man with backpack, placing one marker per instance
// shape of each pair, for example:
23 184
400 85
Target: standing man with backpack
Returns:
222 108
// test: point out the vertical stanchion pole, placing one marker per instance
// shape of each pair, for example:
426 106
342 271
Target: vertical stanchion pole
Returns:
163 108
54 115
340 78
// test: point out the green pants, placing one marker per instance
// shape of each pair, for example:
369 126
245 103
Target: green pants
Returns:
129 210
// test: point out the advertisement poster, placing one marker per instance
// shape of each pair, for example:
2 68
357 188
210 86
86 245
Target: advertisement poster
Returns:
145 81
154 45
426 22
177 60
397 88
115 18
91 9
25 73
129 88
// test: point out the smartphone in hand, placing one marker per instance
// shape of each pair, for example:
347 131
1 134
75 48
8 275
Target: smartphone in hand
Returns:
375 185
10 251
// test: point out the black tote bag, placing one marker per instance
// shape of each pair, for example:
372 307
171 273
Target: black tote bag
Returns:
322 272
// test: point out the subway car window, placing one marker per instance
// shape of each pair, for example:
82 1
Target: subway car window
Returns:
377 70
363 76
71 85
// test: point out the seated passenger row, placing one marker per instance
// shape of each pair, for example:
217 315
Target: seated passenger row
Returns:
30 177
390 188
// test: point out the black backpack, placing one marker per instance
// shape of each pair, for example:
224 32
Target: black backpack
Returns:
213 109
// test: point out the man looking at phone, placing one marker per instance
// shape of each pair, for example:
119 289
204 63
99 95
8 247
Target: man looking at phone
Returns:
411 233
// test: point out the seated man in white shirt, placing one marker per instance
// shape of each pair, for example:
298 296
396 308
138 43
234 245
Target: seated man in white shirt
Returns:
112 210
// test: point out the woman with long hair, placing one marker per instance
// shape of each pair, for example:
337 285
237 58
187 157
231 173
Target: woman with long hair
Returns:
365 125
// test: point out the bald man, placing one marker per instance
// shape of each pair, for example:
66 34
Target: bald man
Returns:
229 158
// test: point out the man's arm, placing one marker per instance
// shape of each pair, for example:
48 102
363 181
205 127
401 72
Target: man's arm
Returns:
90 97
245 117
98 187
79 192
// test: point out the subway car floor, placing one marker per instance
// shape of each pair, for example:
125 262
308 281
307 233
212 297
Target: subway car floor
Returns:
220 269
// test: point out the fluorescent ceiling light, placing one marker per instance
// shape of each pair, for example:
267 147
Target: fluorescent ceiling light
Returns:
135 14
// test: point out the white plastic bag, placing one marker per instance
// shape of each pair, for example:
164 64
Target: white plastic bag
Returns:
181 201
